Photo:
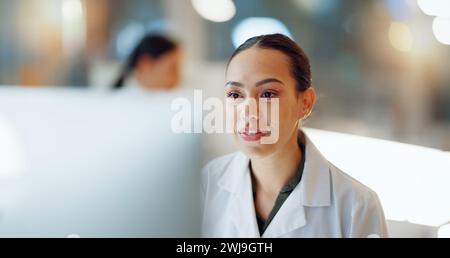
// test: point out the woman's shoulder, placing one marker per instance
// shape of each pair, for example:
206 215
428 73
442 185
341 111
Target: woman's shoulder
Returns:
221 168
360 203
345 185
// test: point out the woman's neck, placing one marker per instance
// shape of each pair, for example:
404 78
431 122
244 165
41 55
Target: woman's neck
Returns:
272 173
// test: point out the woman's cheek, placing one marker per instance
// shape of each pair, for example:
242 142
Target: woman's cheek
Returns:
231 116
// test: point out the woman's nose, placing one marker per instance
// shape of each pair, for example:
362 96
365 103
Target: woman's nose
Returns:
248 114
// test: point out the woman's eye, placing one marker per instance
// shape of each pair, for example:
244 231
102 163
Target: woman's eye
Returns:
233 95
268 95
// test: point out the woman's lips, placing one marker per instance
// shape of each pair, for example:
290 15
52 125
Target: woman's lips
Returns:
253 137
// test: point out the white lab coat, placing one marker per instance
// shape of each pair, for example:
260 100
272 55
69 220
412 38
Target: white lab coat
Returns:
326 203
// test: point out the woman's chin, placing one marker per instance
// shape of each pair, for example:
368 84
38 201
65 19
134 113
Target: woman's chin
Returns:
255 150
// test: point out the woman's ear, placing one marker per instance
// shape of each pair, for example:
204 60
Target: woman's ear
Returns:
307 101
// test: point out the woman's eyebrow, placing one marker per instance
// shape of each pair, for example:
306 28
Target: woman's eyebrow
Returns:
260 83
233 83
270 80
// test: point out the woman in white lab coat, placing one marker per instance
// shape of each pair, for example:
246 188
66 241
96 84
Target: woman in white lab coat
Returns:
154 65
286 188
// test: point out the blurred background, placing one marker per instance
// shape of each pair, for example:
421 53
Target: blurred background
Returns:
380 67
388 58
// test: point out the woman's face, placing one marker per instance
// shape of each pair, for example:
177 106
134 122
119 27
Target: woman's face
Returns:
163 72
264 76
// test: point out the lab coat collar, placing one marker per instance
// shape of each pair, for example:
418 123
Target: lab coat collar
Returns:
315 187
313 191
316 182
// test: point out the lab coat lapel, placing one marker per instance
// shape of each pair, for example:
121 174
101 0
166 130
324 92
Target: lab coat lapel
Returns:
244 214
313 191
290 217
242 209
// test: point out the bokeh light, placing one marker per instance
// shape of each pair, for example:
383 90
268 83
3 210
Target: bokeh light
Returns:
255 26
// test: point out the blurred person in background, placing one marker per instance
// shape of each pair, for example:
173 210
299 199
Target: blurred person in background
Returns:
154 65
